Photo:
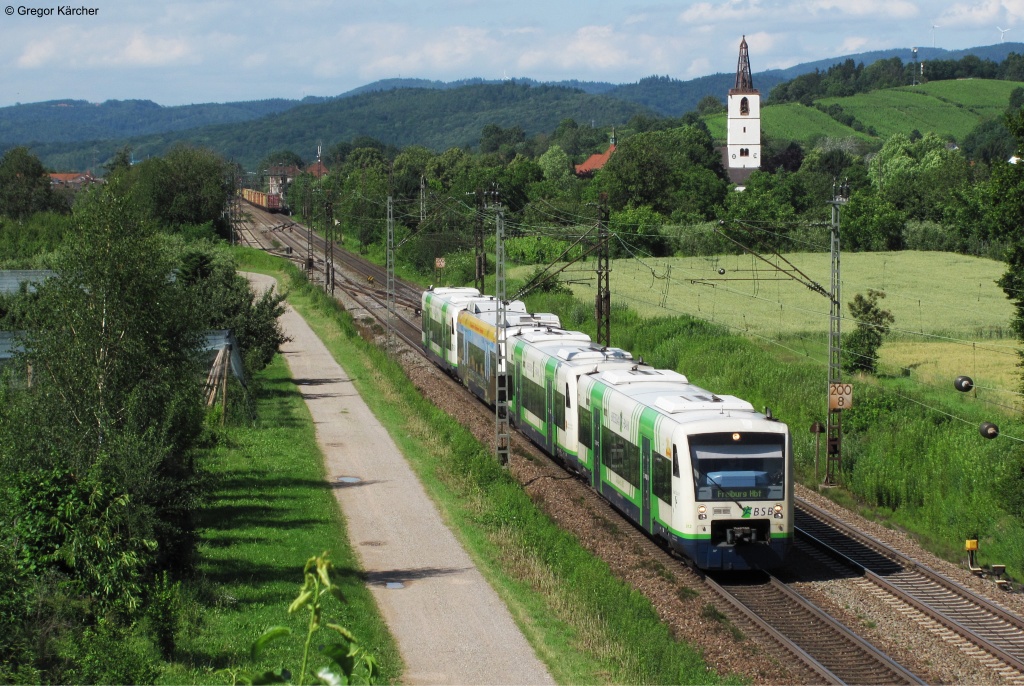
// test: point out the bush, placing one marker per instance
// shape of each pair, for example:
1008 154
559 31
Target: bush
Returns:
110 655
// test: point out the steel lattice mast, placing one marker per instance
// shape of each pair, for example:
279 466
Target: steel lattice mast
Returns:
502 430
834 427
391 273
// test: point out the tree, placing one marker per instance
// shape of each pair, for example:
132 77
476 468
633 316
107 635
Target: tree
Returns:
710 104
860 347
282 158
1006 217
188 186
224 300
917 176
25 186
872 223
555 164
120 162
638 230
652 168
104 490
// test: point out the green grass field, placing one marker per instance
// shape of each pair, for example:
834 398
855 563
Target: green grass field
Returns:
271 511
943 107
940 108
951 317
790 121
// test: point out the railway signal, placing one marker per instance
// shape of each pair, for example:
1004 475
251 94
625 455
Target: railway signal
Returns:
965 384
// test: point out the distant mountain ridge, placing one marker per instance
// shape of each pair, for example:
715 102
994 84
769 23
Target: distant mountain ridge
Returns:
435 118
67 121
75 134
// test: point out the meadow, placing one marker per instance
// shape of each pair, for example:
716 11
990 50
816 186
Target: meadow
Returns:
947 108
951 317
789 122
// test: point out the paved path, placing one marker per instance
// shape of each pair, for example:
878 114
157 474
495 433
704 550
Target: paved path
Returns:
450 625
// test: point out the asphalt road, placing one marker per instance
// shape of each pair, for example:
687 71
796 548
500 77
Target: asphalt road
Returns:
450 625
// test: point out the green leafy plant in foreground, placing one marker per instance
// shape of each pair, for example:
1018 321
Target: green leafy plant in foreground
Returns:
349 663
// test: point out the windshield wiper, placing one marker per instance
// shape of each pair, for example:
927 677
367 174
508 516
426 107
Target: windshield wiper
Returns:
721 487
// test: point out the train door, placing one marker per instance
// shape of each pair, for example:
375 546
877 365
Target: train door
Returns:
517 385
549 412
595 427
645 482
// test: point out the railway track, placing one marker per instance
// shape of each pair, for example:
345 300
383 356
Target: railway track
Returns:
829 651
985 624
835 653
362 279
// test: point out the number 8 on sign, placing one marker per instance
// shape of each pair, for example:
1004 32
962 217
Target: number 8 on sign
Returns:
840 396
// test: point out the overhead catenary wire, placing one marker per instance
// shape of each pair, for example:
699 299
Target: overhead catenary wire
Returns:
565 230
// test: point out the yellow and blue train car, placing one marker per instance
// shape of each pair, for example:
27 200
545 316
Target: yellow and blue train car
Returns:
477 344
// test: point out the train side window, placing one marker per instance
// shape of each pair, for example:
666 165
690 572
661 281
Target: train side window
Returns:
585 428
675 461
568 402
661 484
559 410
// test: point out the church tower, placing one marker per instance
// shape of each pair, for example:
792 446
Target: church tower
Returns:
744 150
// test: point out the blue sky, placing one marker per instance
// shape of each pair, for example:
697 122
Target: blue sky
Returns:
192 51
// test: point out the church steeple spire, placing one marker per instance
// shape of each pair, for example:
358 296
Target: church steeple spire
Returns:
744 122
744 80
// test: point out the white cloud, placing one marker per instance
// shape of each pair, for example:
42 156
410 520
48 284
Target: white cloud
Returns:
78 50
700 67
781 13
719 12
386 50
852 44
1014 10
878 9
974 14
147 50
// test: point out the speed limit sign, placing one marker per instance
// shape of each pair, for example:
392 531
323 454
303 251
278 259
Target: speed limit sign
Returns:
840 396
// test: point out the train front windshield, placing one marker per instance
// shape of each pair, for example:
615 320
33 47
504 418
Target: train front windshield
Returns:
739 466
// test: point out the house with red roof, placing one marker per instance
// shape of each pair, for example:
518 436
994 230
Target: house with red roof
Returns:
317 169
596 161
72 180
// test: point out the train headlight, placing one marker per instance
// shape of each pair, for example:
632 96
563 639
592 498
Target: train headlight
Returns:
778 510
735 437
702 512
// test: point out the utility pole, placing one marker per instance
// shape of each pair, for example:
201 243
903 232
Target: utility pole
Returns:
834 427
603 304
423 199
319 206
233 212
307 201
502 430
391 273
329 236
480 257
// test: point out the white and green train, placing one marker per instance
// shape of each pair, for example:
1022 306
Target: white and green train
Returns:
705 473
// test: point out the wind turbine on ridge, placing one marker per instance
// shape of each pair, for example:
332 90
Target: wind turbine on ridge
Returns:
934 26
1002 32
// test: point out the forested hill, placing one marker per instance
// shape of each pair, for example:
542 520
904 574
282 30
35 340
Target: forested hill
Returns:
437 119
64 121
